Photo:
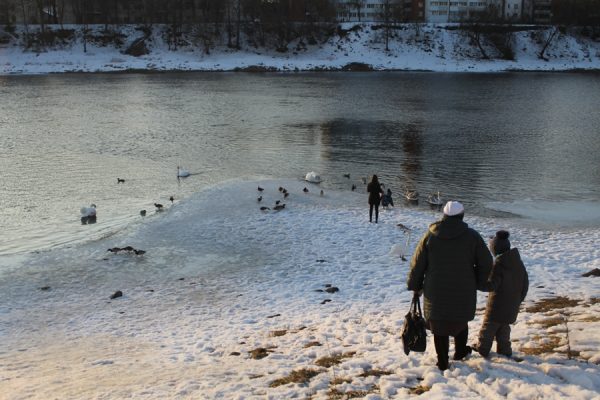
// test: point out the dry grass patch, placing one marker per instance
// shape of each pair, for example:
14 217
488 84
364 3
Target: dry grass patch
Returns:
339 381
278 333
552 303
311 344
418 390
544 348
594 300
572 353
259 353
547 323
299 376
333 360
335 394
375 372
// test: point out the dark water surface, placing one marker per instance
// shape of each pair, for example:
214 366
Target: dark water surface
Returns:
499 142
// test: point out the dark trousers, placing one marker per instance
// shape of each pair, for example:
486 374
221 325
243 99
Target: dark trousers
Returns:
371 212
442 346
491 330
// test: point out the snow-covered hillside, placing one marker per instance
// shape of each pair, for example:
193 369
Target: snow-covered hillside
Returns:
411 47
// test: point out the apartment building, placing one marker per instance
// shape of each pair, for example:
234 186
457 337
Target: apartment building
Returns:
542 11
374 10
513 10
440 11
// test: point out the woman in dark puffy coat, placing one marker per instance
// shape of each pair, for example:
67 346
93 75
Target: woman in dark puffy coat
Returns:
447 265
375 192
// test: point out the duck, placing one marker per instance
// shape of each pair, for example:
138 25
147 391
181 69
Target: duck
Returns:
279 207
259 199
182 173
322 192
260 189
353 187
172 199
305 190
347 176
158 206
263 208
143 213
120 180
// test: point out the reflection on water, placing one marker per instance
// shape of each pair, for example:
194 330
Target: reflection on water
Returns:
412 144
478 138
388 144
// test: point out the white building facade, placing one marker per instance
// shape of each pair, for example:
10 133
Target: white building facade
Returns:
513 10
373 10
445 11
441 11
354 11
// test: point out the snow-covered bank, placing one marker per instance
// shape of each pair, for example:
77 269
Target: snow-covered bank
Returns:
229 300
428 48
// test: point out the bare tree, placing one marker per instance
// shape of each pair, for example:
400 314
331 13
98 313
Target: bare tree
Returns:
549 36
61 13
238 22
475 32
41 14
25 17
386 15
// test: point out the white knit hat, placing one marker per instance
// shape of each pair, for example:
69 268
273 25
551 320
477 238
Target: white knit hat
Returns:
453 208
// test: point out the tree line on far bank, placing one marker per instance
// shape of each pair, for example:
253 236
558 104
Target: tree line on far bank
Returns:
262 23
58 12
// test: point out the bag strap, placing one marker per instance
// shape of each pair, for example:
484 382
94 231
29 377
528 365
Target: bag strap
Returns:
415 307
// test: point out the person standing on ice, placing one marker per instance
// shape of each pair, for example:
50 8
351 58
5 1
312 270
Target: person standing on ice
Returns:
508 284
447 265
375 192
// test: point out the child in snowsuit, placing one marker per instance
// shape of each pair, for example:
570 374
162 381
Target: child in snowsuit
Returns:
508 283
386 199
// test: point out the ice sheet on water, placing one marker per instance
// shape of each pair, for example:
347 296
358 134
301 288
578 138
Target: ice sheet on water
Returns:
561 212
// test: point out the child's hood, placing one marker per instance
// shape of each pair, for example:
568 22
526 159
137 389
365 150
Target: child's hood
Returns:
509 258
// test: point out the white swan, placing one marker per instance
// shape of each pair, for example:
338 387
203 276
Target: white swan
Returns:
312 177
182 173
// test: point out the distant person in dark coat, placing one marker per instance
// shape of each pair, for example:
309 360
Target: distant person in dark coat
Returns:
449 261
375 192
386 199
508 284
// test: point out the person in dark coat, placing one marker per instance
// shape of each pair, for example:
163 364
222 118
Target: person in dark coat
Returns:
508 284
375 192
447 265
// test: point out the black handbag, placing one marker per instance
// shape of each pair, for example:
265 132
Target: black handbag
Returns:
414 336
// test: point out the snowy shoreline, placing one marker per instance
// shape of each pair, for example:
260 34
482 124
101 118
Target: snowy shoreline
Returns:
230 302
435 49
